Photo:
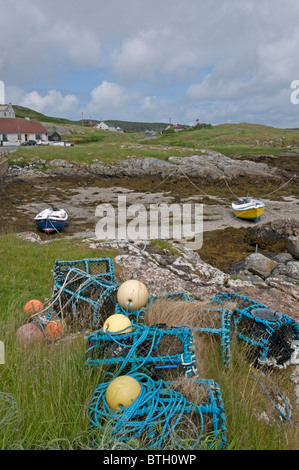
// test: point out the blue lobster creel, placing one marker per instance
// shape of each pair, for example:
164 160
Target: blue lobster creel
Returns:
224 332
134 315
159 349
101 268
85 288
161 415
273 336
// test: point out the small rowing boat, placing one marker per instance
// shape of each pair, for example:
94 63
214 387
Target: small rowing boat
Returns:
51 220
248 208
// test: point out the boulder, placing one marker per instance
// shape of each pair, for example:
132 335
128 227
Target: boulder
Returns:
283 258
260 265
292 269
293 246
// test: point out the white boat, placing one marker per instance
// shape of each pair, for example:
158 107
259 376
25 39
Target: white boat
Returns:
51 219
248 208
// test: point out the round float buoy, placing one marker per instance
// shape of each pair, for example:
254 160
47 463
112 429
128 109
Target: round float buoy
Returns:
53 329
117 323
30 333
122 392
132 293
33 306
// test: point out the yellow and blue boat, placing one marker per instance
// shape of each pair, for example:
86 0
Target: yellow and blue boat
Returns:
248 208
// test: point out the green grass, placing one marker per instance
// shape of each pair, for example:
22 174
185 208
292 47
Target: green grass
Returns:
236 139
232 140
22 112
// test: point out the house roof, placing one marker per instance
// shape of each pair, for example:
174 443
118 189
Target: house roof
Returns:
5 107
21 126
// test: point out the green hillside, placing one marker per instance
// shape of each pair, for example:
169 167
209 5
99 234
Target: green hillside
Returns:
127 126
22 112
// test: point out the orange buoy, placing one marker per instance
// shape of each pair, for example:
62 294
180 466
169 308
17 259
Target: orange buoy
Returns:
33 306
53 329
30 333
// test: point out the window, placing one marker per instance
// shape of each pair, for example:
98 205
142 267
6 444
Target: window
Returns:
4 138
38 136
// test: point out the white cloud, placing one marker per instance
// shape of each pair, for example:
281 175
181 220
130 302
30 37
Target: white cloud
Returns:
107 97
53 103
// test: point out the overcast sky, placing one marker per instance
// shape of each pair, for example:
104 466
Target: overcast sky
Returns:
153 60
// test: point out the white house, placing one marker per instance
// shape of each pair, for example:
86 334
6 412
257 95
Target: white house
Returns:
16 131
106 127
7 111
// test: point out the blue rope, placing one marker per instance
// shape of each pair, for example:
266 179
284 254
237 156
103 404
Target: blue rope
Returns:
157 412
135 357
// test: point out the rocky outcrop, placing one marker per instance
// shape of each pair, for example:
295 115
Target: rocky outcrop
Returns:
183 270
209 165
214 165
277 229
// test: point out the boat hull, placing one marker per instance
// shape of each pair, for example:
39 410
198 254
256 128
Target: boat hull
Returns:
50 225
250 214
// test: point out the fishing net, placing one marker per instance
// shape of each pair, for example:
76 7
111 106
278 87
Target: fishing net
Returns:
272 337
162 416
84 291
161 350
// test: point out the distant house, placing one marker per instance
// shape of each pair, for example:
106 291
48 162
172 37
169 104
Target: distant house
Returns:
7 111
177 127
16 130
55 137
106 126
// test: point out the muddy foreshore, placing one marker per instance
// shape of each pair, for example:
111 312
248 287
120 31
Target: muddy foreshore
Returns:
225 240
29 187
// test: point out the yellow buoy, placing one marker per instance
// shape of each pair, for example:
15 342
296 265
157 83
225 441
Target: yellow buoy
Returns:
122 392
117 323
133 293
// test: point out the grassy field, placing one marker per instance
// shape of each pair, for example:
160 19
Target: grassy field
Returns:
45 389
230 139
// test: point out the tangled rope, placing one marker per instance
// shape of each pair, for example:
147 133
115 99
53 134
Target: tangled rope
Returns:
158 407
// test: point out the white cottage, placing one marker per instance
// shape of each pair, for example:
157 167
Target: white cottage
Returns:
16 131
7 111
105 126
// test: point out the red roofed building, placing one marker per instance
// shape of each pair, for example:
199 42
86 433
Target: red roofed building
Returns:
16 131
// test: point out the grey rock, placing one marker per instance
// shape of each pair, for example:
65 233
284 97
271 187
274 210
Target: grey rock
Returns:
209 164
283 258
260 265
292 269
293 246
